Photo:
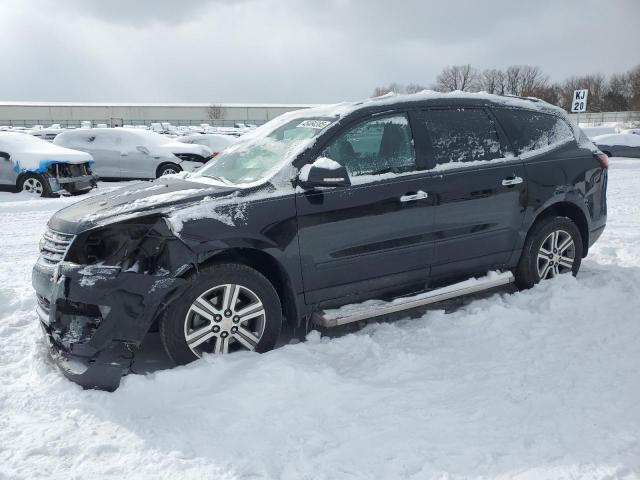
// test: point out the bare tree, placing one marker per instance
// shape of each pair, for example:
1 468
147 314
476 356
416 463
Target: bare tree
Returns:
551 93
596 85
617 95
393 87
457 77
633 76
492 80
525 80
215 112
414 88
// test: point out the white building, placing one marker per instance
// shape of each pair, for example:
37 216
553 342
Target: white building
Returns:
117 114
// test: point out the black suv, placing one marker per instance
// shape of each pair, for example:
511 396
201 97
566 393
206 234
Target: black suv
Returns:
407 200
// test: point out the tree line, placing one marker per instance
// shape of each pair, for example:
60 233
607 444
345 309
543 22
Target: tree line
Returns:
613 93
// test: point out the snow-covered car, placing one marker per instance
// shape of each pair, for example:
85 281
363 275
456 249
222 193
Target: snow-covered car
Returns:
36 166
634 131
217 143
592 132
132 153
619 144
47 133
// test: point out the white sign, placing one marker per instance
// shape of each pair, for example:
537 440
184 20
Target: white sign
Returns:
579 102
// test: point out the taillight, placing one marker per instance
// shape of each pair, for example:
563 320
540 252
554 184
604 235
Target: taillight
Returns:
214 154
603 159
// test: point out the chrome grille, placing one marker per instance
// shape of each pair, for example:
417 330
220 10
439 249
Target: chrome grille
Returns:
54 246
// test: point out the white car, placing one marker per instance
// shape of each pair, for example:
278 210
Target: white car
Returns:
132 153
217 143
39 167
47 133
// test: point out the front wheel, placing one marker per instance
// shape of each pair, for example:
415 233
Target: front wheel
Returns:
553 247
35 184
230 307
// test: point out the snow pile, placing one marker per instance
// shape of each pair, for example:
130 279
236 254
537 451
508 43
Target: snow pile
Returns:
541 384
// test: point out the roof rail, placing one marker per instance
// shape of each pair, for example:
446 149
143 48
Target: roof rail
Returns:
533 99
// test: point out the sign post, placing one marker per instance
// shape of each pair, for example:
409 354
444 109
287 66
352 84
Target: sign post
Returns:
579 102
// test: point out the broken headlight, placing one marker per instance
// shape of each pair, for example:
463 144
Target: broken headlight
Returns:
112 245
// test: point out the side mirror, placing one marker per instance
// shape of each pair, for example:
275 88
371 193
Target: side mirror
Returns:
5 155
143 149
324 172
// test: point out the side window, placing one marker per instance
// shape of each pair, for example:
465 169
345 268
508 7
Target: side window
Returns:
530 131
462 135
382 145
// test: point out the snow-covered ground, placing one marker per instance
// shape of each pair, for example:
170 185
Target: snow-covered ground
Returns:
538 384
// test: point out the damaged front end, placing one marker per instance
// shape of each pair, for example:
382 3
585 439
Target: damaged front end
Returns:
70 178
100 291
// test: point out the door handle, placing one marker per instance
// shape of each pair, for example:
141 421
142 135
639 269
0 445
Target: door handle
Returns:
419 195
512 181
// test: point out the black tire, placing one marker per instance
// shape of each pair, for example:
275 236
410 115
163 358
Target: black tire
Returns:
527 273
36 184
173 322
166 168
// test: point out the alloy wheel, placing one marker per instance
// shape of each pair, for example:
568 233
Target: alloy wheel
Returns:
556 255
169 171
225 318
33 185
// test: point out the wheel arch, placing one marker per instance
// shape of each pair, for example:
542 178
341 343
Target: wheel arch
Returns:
268 266
570 210
164 163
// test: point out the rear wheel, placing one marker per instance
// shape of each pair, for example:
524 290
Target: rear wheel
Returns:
553 247
231 307
35 184
167 169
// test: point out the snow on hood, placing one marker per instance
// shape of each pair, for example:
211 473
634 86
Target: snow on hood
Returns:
161 196
624 139
29 153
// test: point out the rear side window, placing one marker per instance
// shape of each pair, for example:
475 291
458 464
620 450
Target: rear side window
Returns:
531 131
461 135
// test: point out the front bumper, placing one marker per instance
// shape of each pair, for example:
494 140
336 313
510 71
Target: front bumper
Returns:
73 184
94 318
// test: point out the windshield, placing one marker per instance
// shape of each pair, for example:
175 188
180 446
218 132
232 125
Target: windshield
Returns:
261 153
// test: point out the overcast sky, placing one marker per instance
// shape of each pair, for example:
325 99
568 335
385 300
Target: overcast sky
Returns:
293 51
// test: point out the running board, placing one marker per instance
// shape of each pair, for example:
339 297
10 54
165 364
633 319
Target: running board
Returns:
378 308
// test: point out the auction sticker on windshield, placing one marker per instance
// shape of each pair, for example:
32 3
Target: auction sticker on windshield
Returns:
317 124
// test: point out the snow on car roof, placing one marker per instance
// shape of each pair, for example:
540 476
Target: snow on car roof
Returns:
14 143
345 108
33 153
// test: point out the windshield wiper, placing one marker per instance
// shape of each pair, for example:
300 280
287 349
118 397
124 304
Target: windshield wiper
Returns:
221 180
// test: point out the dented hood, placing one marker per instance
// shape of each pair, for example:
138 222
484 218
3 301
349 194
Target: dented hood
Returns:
161 196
